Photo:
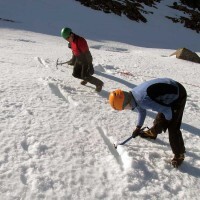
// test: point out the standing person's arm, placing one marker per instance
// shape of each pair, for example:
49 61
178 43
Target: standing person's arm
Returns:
73 59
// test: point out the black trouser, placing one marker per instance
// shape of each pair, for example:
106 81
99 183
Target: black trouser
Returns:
80 71
175 134
173 126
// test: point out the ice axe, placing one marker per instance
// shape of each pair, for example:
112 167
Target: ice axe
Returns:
125 141
60 63
131 137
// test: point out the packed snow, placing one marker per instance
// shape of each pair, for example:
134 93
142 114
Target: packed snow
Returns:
56 136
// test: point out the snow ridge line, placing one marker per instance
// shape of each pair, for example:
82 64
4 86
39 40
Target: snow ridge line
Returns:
110 147
120 154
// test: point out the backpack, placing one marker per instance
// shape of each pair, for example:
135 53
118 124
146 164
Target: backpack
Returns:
163 93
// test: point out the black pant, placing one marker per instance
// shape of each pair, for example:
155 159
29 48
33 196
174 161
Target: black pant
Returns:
173 126
175 134
81 71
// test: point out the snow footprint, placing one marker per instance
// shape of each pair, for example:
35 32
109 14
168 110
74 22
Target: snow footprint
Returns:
42 61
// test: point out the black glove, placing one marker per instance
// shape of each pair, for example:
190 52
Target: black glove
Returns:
136 132
177 160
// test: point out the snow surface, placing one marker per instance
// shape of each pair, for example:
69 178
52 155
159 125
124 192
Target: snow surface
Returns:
56 136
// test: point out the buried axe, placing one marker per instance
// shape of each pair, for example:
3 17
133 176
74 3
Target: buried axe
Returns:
132 136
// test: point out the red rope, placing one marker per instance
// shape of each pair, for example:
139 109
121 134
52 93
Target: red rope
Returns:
127 73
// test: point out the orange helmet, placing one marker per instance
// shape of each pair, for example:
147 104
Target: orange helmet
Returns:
116 99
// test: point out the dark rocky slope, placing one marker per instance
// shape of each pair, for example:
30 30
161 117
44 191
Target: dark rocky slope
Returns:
135 10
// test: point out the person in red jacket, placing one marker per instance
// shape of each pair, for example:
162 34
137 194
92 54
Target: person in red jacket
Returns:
81 59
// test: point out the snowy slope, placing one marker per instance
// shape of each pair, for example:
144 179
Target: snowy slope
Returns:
49 17
56 135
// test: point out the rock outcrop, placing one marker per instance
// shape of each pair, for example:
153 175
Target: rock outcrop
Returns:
186 54
135 10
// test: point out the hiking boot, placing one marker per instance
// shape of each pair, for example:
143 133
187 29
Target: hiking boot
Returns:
83 82
99 88
95 81
150 133
177 160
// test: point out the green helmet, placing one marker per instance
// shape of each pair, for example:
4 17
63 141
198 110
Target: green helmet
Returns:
65 32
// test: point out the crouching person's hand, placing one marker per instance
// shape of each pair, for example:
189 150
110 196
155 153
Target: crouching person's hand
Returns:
136 132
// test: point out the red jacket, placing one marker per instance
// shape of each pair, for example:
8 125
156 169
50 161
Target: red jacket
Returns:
79 46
